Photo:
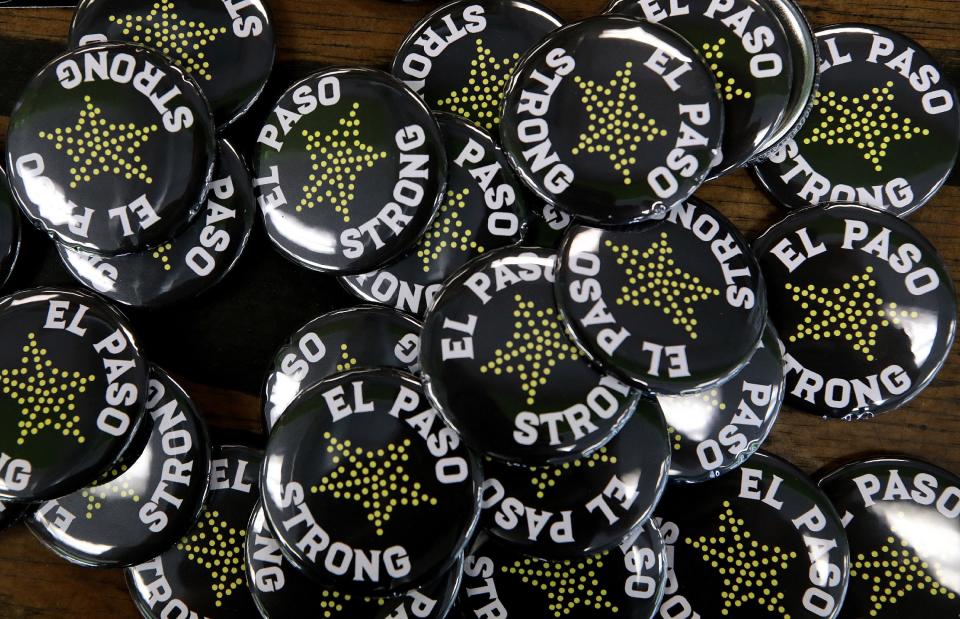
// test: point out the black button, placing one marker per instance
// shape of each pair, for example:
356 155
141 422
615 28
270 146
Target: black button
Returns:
366 487
349 339
227 47
110 148
863 304
350 170
612 119
625 582
548 225
9 230
713 431
282 592
903 523
204 573
10 513
884 130
147 500
584 506
482 210
674 306
496 359
461 56
762 541
187 265
72 391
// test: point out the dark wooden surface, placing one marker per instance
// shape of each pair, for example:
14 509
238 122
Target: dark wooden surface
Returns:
313 33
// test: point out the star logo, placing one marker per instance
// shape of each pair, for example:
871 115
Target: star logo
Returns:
347 362
893 572
726 84
109 485
547 477
161 253
568 584
479 101
447 233
217 547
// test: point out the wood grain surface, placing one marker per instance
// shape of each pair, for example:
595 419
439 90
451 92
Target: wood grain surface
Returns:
315 33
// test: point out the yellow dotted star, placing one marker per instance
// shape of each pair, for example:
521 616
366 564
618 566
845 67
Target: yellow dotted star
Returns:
547 477
726 84
537 344
867 121
160 253
108 485
654 279
338 157
46 394
446 232
751 570
179 39
347 362
568 584
217 547
377 479
479 101
617 128
676 439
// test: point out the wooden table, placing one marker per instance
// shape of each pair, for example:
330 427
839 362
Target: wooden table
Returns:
314 33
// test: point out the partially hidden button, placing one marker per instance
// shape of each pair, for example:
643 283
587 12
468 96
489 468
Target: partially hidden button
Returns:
9 230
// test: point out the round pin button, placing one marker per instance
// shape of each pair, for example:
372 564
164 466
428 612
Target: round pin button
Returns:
625 582
714 431
761 541
228 47
110 148
356 338
282 592
146 501
612 120
497 361
357 469
9 230
350 170
674 306
203 574
584 506
745 46
482 210
884 130
461 56
548 225
72 391
864 306
903 523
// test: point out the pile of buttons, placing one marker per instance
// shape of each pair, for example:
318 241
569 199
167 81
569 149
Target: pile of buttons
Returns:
552 399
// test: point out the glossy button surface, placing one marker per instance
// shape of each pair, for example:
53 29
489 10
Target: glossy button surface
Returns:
760 541
612 119
548 225
497 361
350 339
228 47
204 573
903 523
9 230
188 264
72 391
584 506
147 500
282 592
864 306
884 130
362 461
482 210
350 170
110 148
675 305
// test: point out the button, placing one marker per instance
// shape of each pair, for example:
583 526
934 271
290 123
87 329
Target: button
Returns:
72 391
903 526
110 148
10 514
461 56
228 48
584 506
548 224
188 264
625 582
612 120
482 210
147 500
864 306
282 592
9 230
872 137
497 361
415 476
203 574
674 306
747 49
360 337
712 432
350 170
762 541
